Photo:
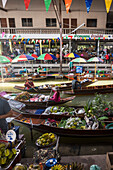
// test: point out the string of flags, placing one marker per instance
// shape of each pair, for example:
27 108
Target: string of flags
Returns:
67 4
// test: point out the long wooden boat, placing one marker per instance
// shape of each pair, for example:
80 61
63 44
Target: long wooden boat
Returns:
46 89
71 77
20 79
38 124
92 90
62 87
41 104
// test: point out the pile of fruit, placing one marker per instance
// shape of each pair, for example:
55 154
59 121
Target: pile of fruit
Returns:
46 139
6 154
23 96
73 166
60 110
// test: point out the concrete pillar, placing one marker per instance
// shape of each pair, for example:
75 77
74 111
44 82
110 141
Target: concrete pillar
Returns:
98 44
25 48
40 47
10 45
74 46
69 45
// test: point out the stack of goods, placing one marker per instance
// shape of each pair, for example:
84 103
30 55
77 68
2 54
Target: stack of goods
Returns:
45 86
60 110
23 96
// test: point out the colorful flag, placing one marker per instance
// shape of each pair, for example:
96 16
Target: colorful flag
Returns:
68 4
88 4
47 4
108 5
3 33
26 2
4 3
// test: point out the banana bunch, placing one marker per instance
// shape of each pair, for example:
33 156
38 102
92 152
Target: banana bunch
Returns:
46 139
6 154
57 167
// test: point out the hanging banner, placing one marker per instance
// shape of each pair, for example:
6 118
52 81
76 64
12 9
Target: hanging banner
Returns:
108 5
88 5
68 4
47 4
4 3
27 2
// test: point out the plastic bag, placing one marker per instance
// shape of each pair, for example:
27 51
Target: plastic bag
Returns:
95 167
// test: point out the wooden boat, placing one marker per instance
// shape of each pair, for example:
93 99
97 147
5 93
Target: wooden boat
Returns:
92 90
71 77
38 124
62 87
39 89
41 104
20 79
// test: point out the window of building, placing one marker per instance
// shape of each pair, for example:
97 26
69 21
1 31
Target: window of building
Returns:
51 22
3 22
27 22
91 22
12 22
109 23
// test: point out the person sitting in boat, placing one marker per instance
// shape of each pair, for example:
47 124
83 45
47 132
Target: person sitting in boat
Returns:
56 95
29 83
75 84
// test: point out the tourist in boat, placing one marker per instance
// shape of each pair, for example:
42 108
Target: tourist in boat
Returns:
75 84
29 83
5 111
56 95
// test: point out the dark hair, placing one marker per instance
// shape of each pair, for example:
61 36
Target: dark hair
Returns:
58 94
75 77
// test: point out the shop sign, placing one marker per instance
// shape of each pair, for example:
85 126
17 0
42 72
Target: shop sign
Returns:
29 46
82 36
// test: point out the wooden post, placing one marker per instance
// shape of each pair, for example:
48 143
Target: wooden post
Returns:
0 48
60 17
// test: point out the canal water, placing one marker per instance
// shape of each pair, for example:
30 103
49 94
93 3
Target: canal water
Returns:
67 146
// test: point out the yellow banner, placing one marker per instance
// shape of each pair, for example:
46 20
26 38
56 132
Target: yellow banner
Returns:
68 4
108 5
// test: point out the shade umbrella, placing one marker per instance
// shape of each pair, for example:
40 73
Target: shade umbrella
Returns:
3 59
79 60
24 58
71 55
47 56
95 59
34 55
9 58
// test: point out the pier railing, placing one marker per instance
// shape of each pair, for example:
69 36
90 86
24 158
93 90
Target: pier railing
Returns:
54 31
